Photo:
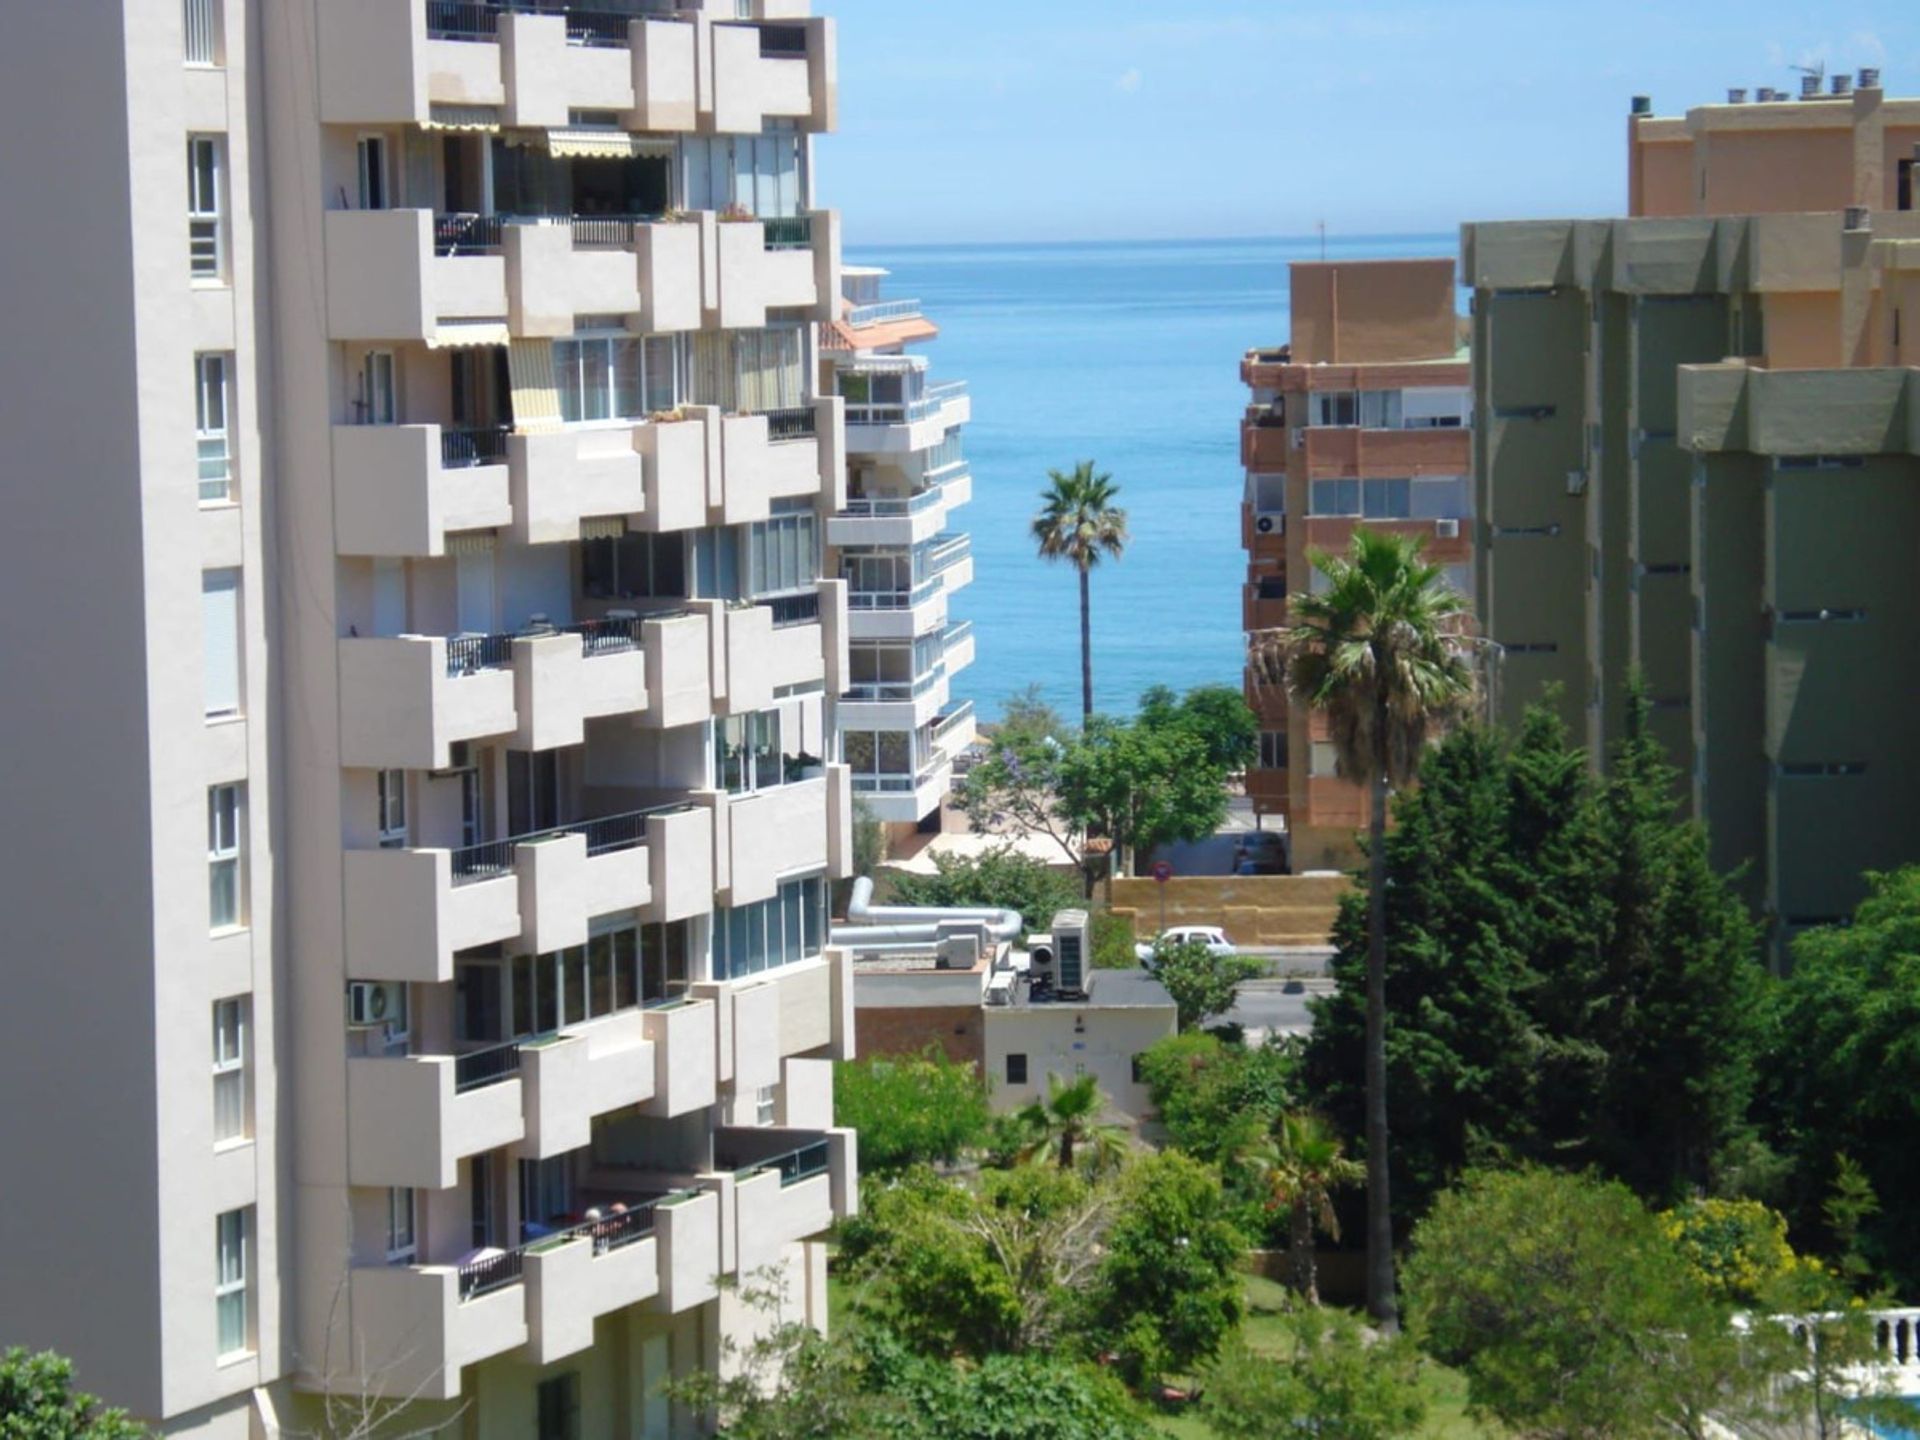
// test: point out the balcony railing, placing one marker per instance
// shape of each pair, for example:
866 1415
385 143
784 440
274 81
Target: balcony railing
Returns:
953 720
793 1165
894 599
795 424
607 232
480 20
956 632
482 445
470 654
457 233
878 312
491 858
782 41
478 1069
905 412
612 1230
788 232
871 691
802 609
899 784
866 507
949 552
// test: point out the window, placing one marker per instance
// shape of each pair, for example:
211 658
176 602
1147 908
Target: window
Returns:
374 185
558 1405
1386 499
666 961
210 405
402 1247
1333 497
226 905
759 173
1273 749
1016 1069
220 609
783 553
379 398
205 247
764 936
391 792
585 982
616 377
746 752
202 32
233 1233
1441 497
1380 409
635 565
546 1194
879 759
230 1070
748 371
766 1105
1323 763
1138 1070
1333 408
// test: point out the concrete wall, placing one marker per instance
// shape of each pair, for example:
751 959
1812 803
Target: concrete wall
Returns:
1252 909
1072 1040
1376 310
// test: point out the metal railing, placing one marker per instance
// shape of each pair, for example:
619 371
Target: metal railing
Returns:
605 28
955 633
462 20
482 445
898 784
608 833
788 232
782 41
495 1272
478 1069
793 1165
470 654
952 720
795 424
894 599
947 553
608 636
892 506
904 412
877 312
608 232
480 20
802 609
872 691
457 233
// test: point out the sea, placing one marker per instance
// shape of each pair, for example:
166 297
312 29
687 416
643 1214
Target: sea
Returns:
1126 354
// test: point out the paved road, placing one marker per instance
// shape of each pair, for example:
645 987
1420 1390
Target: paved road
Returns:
1262 1007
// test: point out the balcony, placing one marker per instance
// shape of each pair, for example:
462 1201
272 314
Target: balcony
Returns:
759 838
899 521
955 730
905 798
1263 369
412 1120
409 911
561 267
896 704
774 72
400 490
779 1187
781 641
959 646
1263 533
1267 789
781 454
915 423
594 1070
414 1333
773 264
881 312
779 1014
1264 445
1260 611
383 63
387 279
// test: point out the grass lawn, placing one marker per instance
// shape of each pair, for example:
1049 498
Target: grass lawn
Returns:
1446 1390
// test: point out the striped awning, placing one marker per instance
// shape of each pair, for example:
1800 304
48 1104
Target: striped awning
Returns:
536 391
465 334
462 117
603 527
577 143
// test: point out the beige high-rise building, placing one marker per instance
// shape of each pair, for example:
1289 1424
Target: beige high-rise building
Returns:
421 987
1695 458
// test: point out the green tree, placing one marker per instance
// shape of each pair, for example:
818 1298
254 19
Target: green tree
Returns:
1736 1249
1068 1117
1079 523
1169 1289
1139 786
1378 652
1300 1164
38 1402
1841 1028
1201 983
1328 1382
1214 1098
1002 877
1217 715
910 1109
1568 1310
1818 1346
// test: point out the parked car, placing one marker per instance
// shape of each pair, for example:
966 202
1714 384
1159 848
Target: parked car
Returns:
1261 865
1212 936
1266 849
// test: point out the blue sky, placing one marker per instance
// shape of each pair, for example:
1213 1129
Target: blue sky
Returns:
1098 119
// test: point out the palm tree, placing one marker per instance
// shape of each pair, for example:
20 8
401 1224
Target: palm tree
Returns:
1068 1118
1078 522
1300 1164
1380 651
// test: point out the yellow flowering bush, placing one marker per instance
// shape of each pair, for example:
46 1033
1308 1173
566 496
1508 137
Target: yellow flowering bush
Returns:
1737 1249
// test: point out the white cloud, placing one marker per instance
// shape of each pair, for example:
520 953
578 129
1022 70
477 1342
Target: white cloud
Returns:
1128 83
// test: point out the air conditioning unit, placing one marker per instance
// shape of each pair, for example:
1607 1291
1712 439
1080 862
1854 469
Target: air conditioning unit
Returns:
1271 524
459 761
1446 529
1070 952
375 1003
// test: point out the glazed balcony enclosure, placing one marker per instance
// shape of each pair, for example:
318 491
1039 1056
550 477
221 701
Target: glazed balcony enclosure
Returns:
893 409
658 66
899 519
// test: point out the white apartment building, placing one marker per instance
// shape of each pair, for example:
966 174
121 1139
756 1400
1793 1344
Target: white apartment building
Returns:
422 989
894 545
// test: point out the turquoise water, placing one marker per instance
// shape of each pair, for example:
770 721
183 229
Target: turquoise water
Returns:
1127 354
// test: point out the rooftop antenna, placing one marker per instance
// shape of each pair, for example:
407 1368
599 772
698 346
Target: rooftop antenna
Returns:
1323 240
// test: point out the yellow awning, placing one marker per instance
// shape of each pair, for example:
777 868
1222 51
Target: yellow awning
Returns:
462 117
465 334
536 393
577 143
603 527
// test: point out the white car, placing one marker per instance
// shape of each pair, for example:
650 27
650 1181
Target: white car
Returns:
1211 936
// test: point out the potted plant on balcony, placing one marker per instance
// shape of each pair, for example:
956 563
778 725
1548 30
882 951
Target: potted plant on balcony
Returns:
737 214
804 767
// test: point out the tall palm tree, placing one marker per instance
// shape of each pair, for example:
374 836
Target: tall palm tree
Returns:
1300 1164
1381 651
1078 522
1070 1117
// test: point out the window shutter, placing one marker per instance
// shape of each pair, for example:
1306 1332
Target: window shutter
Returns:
220 605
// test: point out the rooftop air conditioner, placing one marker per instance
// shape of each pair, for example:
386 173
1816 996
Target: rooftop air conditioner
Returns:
1446 529
1070 952
372 1003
